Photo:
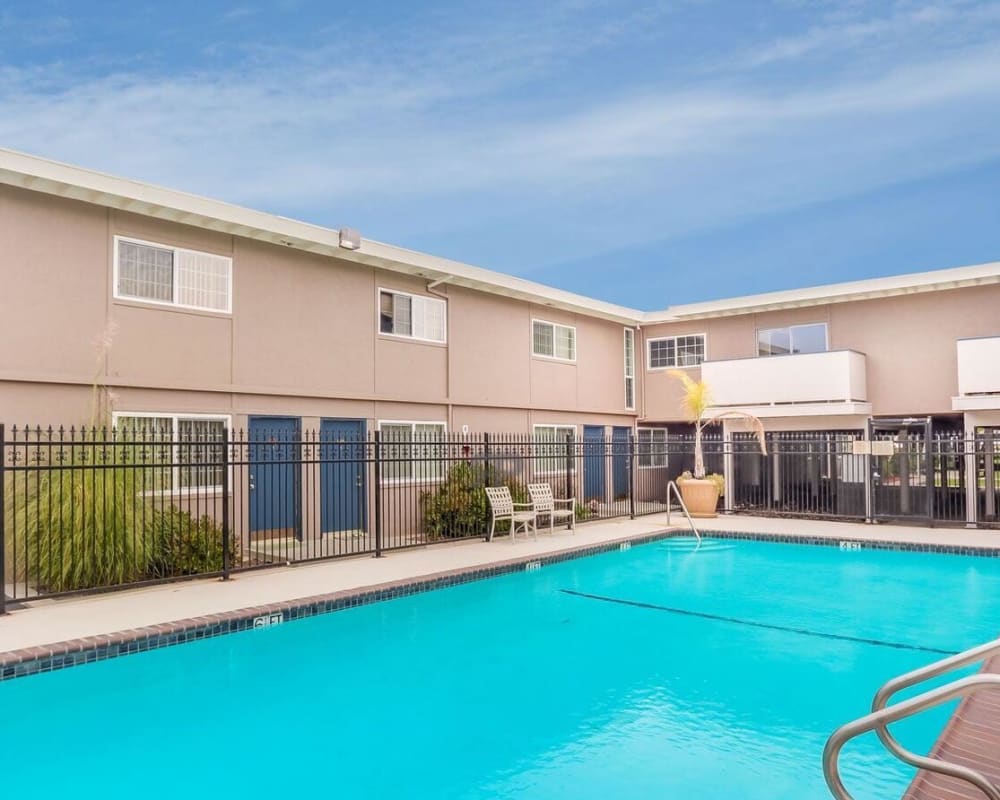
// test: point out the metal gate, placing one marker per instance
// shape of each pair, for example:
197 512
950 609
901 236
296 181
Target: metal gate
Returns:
987 449
902 474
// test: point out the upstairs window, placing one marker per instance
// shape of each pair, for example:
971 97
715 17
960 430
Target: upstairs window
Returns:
629 368
172 276
793 339
677 351
553 341
412 316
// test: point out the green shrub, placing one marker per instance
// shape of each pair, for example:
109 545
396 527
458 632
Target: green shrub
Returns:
459 508
186 546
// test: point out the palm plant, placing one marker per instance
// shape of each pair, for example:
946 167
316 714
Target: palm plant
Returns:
695 402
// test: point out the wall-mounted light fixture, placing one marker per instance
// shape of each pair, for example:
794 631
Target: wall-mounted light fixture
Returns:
350 239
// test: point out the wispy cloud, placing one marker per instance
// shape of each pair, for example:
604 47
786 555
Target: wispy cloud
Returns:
414 127
846 28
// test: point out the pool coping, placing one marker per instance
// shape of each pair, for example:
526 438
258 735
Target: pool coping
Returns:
75 652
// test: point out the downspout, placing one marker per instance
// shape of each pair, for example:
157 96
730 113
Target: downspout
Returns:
641 349
447 348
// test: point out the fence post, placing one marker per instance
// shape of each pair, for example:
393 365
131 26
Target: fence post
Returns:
3 523
869 474
226 565
631 474
486 469
378 494
569 466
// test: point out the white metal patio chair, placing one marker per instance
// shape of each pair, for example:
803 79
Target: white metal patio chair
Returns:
544 504
503 507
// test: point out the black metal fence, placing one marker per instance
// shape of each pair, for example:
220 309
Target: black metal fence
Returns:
840 475
86 509
90 509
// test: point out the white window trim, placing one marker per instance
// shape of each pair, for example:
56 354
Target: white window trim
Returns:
789 328
176 468
666 456
403 336
649 351
554 325
625 333
534 440
163 303
413 423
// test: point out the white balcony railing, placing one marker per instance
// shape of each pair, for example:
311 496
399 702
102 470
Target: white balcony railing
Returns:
822 383
978 374
979 365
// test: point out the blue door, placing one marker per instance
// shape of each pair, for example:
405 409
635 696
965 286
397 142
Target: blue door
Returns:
619 461
343 497
274 477
593 462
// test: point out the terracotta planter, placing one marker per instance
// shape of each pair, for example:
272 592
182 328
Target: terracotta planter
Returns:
700 497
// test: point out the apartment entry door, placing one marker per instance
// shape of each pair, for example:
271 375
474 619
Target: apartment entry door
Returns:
902 478
275 507
593 463
342 473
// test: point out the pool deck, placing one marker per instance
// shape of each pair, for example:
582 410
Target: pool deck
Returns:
39 629
37 623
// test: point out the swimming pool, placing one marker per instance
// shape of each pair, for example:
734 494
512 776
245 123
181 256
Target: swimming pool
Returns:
655 672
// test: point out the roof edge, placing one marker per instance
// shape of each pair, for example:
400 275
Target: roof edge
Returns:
65 180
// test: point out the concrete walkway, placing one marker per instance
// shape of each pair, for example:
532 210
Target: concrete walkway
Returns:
45 622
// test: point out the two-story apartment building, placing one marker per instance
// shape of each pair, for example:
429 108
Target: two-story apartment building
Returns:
190 314
831 357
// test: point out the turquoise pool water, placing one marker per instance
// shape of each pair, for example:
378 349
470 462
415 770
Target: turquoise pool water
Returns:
613 676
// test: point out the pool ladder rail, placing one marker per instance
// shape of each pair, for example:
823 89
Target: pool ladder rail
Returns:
883 714
672 487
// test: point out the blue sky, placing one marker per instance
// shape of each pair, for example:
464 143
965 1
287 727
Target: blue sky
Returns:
645 153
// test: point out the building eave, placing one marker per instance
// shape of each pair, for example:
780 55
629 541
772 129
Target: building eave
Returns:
870 289
63 180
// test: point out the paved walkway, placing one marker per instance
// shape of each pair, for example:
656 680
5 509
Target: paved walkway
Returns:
46 622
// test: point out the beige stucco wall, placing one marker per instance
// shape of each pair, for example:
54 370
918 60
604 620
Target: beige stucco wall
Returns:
909 343
302 339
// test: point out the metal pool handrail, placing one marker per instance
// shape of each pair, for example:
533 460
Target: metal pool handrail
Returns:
672 487
891 687
879 719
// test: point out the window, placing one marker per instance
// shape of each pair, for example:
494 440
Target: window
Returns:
793 339
629 368
651 447
413 450
172 276
550 447
677 351
412 316
553 341
184 452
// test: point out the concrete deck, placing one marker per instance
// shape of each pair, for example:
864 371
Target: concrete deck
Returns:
44 622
